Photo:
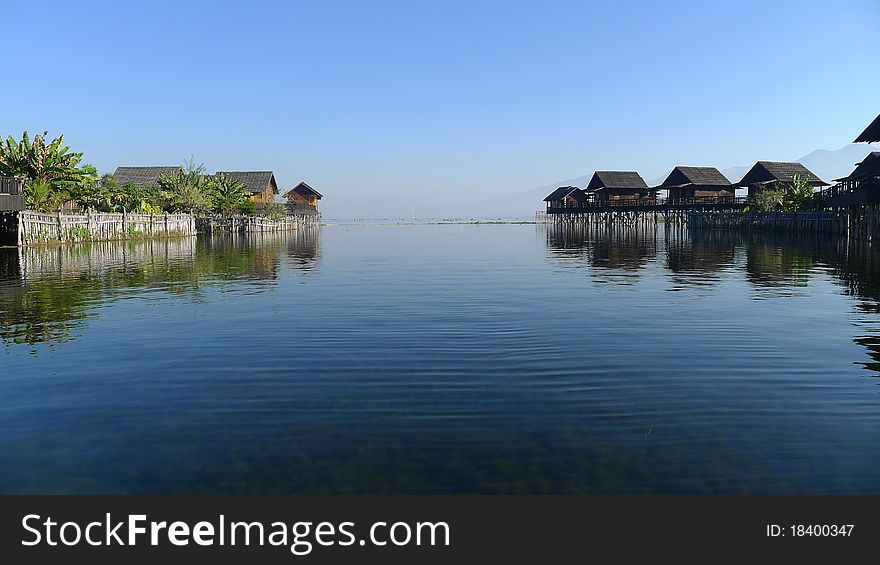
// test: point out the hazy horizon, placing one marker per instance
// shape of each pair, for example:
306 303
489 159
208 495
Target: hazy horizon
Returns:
397 109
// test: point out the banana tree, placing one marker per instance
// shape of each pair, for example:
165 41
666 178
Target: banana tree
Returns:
226 194
187 190
51 170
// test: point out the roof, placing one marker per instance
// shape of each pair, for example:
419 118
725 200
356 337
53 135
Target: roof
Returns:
773 171
694 176
254 181
871 133
304 188
142 177
616 179
870 166
561 193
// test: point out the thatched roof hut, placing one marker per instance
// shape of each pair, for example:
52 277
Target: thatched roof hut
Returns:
254 181
696 182
867 170
261 184
618 185
303 189
765 174
143 177
565 196
871 133
303 194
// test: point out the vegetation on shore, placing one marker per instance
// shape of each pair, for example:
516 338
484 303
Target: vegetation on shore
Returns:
54 177
795 197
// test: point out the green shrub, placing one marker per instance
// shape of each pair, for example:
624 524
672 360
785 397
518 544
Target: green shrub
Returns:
248 208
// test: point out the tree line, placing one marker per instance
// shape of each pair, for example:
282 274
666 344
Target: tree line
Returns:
54 177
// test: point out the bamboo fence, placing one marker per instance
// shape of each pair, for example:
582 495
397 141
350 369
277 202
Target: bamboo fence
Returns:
38 227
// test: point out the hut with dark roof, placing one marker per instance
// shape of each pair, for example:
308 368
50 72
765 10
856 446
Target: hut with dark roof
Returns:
260 184
697 182
566 197
772 174
303 195
143 177
865 175
871 133
617 185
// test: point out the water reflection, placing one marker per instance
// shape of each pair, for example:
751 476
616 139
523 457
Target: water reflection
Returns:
776 265
48 292
443 359
698 258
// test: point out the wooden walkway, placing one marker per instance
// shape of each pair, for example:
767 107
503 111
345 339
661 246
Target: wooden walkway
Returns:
661 205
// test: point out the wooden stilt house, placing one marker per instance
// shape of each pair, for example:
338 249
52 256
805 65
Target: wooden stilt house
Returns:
260 184
566 197
865 175
697 183
303 195
772 174
607 186
11 194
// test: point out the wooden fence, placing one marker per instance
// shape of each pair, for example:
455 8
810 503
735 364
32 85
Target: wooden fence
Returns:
821 222
244 224
11 194
37 227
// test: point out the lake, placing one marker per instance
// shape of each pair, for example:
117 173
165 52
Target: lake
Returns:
442 359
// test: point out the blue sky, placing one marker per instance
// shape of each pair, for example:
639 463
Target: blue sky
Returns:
386 107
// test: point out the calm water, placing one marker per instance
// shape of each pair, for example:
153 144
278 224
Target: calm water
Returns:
441 359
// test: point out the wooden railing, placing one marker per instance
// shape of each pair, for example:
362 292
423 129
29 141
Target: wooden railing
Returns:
305 209
653 202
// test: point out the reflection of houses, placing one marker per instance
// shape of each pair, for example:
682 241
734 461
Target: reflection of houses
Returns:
627 248
772 175
566 197
697 182
260 184
617 185
302 196
778 260
50 291
303 248
142 177
702 253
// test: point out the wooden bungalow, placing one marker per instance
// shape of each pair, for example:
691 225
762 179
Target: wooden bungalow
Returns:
260 184
142 177
772 174
11 194
865 175
303 195
871 133
566 197
618 185
697 182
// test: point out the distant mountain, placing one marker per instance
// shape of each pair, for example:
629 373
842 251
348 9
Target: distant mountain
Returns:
521 204
830 165
827 165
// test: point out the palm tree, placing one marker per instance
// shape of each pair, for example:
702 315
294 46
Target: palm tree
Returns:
51 170
227 194
187 190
